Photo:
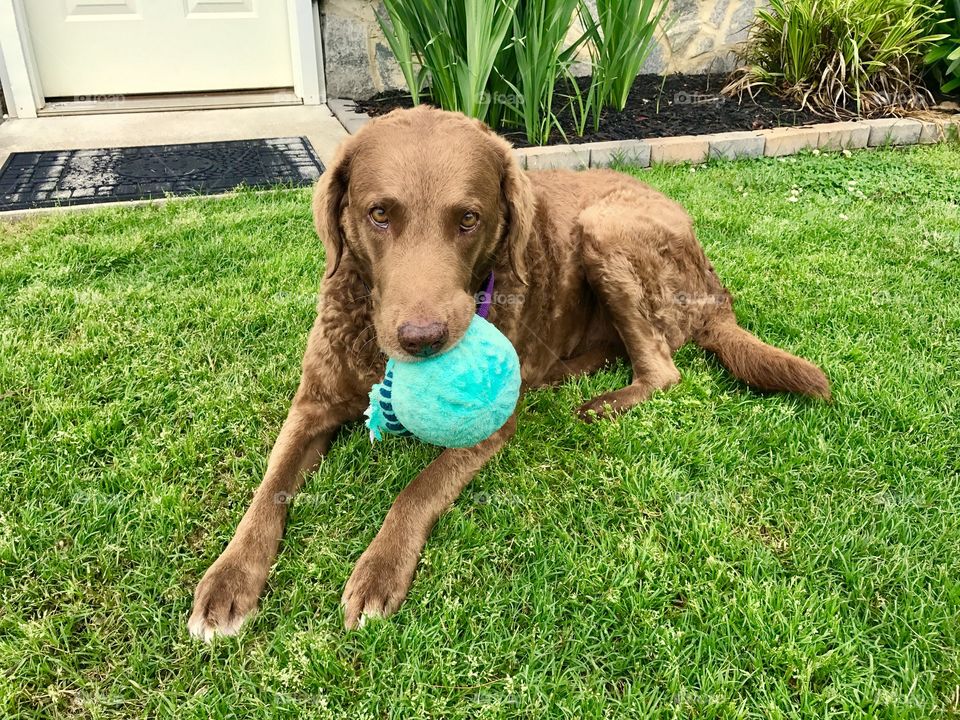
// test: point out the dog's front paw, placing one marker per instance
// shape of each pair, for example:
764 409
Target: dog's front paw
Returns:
377 586
599 408
226 596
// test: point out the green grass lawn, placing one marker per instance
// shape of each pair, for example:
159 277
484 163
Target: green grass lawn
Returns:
715 553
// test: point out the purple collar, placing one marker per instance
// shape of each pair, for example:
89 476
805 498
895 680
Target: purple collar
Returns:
485 297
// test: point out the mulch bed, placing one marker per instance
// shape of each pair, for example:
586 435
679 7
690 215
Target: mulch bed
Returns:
657 106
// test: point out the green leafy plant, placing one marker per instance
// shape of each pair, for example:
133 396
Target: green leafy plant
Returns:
462 51
582 106
621 38
840 57
456 42
944 57
540 29
399 41
471 62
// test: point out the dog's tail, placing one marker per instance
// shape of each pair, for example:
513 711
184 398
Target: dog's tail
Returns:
760 365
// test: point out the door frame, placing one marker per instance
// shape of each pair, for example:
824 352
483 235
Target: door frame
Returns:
20 78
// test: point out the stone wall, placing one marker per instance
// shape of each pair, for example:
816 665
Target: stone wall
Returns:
698 37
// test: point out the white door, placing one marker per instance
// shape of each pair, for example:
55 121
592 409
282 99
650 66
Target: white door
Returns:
89 48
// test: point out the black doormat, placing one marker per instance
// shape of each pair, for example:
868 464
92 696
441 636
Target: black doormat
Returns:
79 177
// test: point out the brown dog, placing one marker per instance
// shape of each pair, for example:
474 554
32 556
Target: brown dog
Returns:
415 212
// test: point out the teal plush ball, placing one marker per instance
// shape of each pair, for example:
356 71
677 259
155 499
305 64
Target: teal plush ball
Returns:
452 400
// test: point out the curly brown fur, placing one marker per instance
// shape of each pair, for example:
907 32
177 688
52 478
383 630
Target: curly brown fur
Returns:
589 267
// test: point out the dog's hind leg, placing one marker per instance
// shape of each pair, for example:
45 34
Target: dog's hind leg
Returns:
622 264
587 362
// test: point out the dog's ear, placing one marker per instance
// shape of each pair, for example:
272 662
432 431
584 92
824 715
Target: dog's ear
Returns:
329 198
517 192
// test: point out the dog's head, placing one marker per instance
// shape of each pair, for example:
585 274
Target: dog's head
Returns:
425 202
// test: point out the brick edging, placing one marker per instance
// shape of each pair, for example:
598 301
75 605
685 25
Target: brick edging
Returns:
343 111
775 142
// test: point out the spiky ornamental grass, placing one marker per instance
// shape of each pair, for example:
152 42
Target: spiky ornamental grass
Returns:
540 57
841 57
621 39
456 42
714 553
500 61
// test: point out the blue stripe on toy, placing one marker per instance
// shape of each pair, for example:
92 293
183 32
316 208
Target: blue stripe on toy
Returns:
390 422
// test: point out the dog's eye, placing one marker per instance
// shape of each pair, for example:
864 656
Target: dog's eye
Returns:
469 221
379 217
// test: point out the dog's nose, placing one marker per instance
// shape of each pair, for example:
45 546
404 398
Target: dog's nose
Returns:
422 338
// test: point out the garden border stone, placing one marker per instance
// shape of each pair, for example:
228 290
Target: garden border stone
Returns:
849 135
636 152
696 149
683 148
346 114
937 132
931 133
894 131
737 145
789 141
557 157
